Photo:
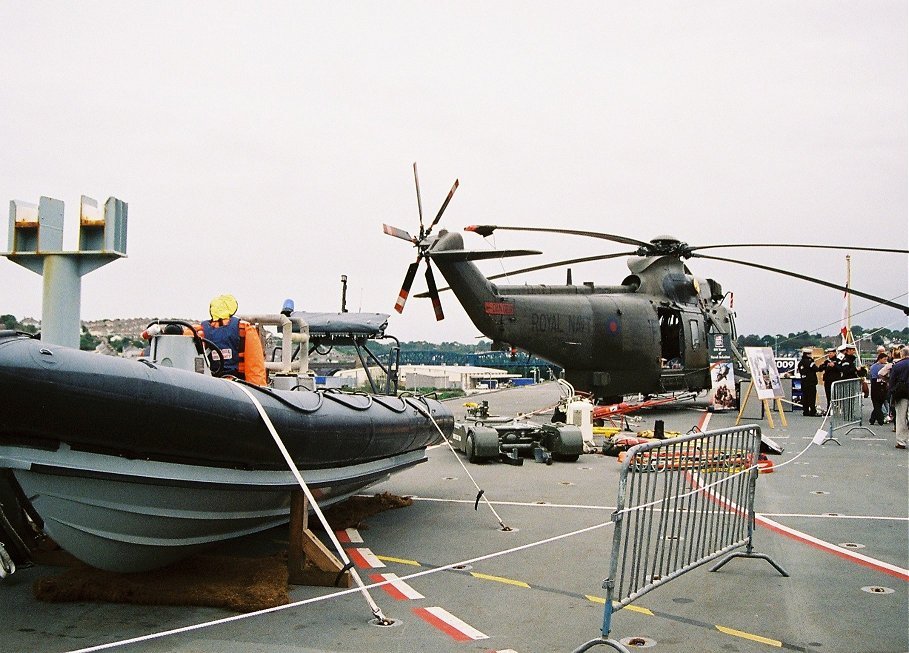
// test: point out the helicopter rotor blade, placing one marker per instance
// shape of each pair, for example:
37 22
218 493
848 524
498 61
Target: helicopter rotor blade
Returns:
843 247
454 187
433 293
545 266
571 261
416 181
405 287
487 230
851 291
452 255
397 233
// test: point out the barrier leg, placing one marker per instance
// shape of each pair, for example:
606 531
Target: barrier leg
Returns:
749 548
750 554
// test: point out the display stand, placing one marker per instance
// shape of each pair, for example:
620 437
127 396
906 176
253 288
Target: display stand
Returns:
768 410
309 562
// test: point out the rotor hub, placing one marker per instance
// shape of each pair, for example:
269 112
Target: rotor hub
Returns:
665 246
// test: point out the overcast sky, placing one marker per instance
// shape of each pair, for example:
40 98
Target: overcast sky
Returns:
261 145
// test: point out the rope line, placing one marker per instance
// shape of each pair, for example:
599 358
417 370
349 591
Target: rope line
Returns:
376 610
426 572
325 597
481 494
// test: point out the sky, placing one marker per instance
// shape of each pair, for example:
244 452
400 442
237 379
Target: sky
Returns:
260 146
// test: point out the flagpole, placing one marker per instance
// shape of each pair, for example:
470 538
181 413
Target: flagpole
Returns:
849 337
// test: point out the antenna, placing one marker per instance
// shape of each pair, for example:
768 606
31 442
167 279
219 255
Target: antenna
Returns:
343 293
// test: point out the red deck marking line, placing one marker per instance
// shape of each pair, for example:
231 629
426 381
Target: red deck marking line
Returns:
449 624
858 558
397 587
705 419
846 554
364 558
349 535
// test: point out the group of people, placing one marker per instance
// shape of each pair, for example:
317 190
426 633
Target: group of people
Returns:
839 363
890 392
888 377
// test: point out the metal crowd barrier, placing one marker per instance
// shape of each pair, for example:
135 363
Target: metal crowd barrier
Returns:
845 408
681 502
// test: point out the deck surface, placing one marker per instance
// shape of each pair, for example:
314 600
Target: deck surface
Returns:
538 587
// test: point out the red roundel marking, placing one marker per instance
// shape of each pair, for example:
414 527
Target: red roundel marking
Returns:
613 326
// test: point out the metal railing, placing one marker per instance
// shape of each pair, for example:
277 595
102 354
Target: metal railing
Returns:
681 503
845 410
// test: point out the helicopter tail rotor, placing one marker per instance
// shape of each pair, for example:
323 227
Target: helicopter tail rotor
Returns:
405 287
433 292
423 243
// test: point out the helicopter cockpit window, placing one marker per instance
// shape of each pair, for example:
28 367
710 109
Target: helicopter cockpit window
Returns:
695 334
671 337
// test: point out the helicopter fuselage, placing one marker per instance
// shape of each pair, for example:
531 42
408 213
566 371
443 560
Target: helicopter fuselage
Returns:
647 335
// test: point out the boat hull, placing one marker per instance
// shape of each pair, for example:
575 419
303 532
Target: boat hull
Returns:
128 515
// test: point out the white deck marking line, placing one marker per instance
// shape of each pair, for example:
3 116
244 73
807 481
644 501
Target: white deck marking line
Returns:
519 503
448 623
823 516
612 508
368 557
397 587
704 421
353 535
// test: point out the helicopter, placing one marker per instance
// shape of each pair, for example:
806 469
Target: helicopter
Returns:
656 332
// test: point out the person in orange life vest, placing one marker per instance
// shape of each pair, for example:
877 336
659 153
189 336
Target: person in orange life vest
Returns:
237 339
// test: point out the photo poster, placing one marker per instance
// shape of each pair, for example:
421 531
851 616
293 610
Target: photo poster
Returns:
722 386
764 372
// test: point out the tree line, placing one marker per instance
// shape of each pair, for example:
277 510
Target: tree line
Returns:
779 342
795 341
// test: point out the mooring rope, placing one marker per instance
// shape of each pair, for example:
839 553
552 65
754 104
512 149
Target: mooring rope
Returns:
481 494
376 610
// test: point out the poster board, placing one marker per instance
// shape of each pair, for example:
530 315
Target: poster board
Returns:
764 372
722 395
